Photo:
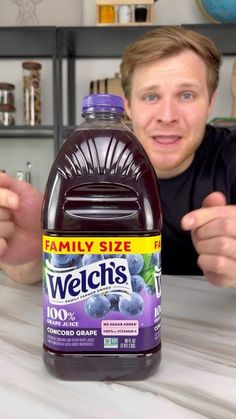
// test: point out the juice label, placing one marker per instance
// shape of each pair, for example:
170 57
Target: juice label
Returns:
101 293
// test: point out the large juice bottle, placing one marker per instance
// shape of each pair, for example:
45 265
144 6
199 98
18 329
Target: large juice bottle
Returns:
101 252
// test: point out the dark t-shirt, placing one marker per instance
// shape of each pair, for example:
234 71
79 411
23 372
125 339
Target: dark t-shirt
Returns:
213 169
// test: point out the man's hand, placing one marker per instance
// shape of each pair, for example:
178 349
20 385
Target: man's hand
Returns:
20 221
213 229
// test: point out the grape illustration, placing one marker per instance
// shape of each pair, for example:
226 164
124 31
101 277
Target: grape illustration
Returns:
79 261
135 263
118 256
88 259
112 256
137 283
97 306
131 305
156 259
114 299
66 260
150 289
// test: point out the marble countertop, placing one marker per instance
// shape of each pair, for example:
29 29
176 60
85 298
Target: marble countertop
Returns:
196 379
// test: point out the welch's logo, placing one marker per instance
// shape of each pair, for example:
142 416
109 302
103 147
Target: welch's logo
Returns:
70 285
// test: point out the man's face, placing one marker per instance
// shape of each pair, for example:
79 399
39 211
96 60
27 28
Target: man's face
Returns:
169 107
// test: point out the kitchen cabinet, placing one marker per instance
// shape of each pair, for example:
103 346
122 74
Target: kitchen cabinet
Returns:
32 43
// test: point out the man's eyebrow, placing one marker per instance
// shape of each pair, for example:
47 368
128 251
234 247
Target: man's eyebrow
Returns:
184 85
149 88
190 84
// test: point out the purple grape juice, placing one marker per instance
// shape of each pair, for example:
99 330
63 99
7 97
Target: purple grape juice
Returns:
102 252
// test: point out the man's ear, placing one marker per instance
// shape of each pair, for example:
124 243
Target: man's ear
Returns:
127 107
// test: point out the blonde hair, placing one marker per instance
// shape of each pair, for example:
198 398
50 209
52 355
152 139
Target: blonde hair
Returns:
165 42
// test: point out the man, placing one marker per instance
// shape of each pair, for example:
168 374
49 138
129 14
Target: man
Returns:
169 79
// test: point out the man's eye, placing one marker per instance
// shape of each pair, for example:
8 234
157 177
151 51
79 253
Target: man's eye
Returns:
187 95
150 97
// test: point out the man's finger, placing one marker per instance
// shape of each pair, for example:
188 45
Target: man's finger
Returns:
211 210
8 199
198 218
215 199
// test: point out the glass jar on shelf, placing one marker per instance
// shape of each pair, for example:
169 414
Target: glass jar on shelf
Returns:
32 92
107 14
7 94
141 13
7 115
124 14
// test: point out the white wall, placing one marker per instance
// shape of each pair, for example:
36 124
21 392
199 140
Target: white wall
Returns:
15 153
49 12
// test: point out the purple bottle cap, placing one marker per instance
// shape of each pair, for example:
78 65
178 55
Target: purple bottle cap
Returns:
102 102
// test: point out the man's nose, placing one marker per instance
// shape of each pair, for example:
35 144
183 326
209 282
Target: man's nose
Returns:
167 111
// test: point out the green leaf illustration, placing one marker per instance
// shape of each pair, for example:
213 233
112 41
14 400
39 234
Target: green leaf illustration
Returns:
147 259
148 276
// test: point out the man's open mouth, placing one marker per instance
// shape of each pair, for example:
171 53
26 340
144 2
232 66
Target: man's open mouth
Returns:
166 140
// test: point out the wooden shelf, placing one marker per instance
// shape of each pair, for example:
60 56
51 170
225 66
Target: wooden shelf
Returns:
125 24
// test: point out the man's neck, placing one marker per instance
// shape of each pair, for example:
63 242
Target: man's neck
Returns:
168 174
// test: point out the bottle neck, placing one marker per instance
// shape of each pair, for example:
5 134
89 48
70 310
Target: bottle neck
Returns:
90 116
